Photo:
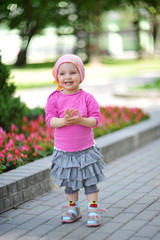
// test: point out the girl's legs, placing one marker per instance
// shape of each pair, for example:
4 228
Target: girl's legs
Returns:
72 197
73 212
92 197
93 217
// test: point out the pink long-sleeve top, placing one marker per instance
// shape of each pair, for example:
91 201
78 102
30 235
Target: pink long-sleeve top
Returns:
75 137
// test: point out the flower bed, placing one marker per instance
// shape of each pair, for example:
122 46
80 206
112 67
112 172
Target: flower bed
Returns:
114 118
35 140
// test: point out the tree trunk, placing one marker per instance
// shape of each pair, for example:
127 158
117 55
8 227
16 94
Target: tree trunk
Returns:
155 33
97 27
137 32
22 57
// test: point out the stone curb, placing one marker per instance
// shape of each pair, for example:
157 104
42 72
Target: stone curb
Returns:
129 139
27 182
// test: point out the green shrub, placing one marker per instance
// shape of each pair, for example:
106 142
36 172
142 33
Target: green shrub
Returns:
33 113
11 108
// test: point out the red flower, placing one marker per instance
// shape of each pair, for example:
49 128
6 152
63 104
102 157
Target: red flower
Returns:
9 157
15 158
13 128
25 148
16 151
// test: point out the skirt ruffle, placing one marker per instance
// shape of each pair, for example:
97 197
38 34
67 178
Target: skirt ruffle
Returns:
77 169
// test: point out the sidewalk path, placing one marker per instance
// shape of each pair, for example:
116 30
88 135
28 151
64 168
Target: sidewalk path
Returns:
130 193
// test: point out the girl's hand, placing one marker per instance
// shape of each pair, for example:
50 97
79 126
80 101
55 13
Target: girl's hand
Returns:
70 119
68 115
76 120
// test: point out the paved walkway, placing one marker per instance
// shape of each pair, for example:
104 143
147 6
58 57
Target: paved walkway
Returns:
131 194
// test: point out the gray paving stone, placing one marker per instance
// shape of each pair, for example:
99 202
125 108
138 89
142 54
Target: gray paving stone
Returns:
146 215
121 235
123 193
53 202
148 231
155 192
139 238
31 224
55 235
157 237
14 234
20 219
38 210
147 200
112 199
136 208
5 227
134 225
69 228
40 231
97 236
30 204
155 221
124 203
113 212
12 213
110 227
55 222
49 196
124 217
26 237
79 233
2 220
105 194
154 207
50 214
136 196
146 189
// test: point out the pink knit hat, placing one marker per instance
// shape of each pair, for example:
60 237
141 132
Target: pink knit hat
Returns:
69 58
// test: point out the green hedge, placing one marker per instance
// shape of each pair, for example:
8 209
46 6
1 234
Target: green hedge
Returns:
11 108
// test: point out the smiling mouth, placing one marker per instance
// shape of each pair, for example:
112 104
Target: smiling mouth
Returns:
68 83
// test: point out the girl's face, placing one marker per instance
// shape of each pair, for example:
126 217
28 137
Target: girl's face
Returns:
69 78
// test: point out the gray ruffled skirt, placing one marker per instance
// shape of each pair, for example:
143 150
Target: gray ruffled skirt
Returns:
77 169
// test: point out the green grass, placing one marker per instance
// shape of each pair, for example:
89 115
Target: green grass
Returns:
121 68
31 78
32 75
155 85
40 74
34 65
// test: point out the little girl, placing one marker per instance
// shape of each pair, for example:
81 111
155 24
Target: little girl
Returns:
77 162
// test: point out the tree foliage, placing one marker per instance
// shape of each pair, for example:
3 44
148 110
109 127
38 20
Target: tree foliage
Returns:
30 17
83 18
149 9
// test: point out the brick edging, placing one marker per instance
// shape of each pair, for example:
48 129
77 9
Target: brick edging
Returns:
129 139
